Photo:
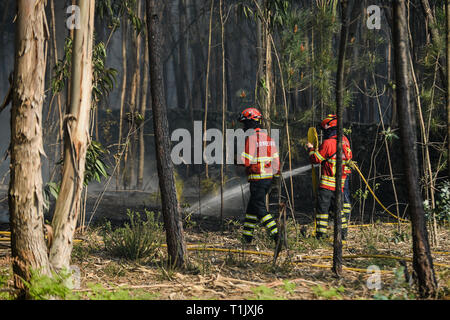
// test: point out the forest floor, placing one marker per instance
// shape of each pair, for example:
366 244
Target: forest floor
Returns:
220 268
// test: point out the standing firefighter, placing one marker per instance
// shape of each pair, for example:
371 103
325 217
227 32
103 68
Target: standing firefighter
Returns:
262 164
326 156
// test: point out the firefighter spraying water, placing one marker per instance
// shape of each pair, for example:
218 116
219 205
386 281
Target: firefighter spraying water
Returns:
326 156
262 165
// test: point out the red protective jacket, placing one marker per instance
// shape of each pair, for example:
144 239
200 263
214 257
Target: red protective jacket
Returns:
260 156
326 155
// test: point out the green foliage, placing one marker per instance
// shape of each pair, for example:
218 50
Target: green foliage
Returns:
4 276
289 286
112 11
330 293
442 207
137 239
51 189
209 186
400 236
274 13
359 194
389 134
400 289
265 293
95 167
103 77
44 287
62 68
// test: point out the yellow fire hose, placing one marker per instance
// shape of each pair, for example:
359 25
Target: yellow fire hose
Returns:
203 247
356 256
354 166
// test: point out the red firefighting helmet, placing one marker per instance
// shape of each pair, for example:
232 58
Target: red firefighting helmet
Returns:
330 120
250 114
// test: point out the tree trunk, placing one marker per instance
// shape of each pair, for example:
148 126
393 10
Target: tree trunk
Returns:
422 261
76 140
340 87
140 177
28 246
122 100
447 51
435 37
207 91
222 181
270 85
171 211
130 164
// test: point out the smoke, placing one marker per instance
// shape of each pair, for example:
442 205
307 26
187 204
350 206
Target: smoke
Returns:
234 198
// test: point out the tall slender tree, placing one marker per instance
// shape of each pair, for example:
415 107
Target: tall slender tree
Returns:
28 246
176 246
422 261
447 53
141 165
340 87
122 100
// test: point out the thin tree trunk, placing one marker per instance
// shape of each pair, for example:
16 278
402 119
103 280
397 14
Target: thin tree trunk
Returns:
340 87
130 171
270 85
447 50
422 260
427 170
76 140
207 93
435 37
176 246
140 178
58 96
388 153
28 248
222 25
122 99
259 51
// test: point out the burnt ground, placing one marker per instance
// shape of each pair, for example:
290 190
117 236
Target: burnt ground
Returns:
217 268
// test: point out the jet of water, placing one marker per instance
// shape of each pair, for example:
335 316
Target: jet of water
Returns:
209 206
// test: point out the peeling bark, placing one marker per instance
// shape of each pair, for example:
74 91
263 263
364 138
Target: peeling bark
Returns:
25 188
76 140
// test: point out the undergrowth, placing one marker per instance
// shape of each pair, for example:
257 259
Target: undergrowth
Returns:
137 239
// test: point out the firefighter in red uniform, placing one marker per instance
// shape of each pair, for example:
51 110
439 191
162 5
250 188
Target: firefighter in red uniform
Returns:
326 156
262 164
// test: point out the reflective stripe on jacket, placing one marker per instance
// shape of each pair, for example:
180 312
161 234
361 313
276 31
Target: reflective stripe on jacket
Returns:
260 156
326 156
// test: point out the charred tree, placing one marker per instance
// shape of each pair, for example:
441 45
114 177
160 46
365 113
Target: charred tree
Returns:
340 87
422 261
447 53
171 211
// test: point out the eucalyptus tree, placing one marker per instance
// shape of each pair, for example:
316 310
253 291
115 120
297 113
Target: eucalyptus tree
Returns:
25 199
